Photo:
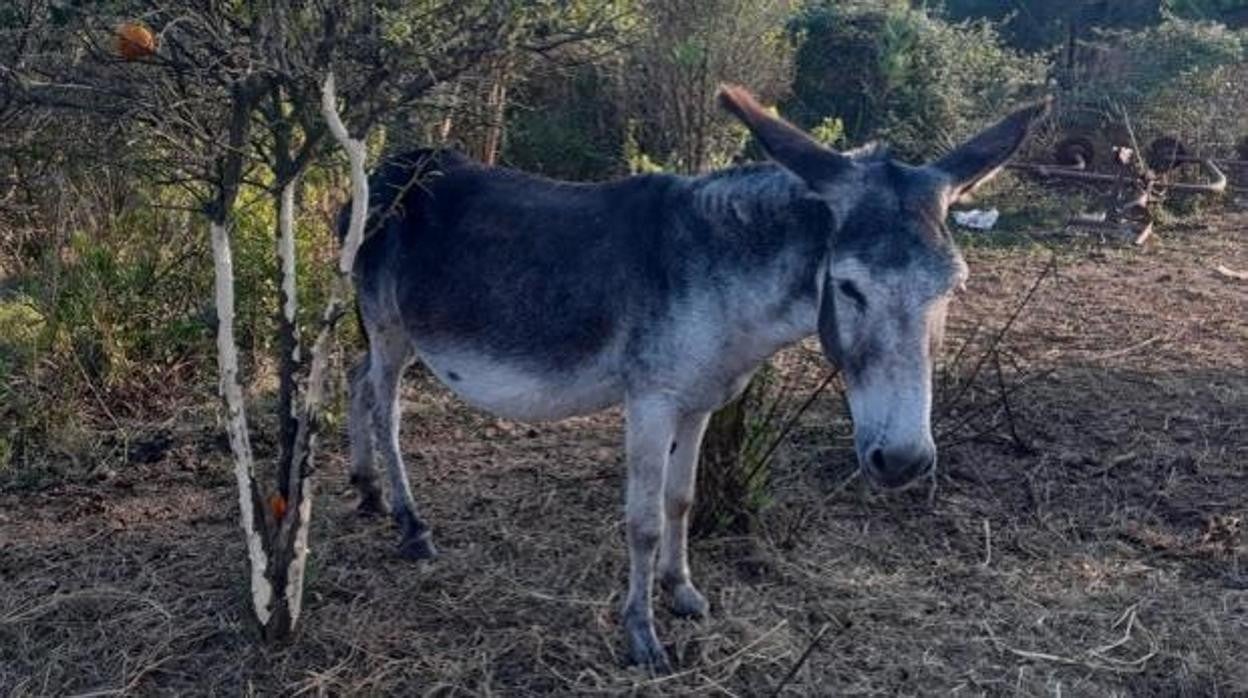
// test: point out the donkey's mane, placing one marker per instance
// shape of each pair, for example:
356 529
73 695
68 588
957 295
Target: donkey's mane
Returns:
743 170
872 152
875 151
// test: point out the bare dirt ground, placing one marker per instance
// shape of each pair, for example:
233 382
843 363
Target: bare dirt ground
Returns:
1101 551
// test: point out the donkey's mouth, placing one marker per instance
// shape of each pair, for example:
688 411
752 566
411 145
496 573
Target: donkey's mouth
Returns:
893 486
894 471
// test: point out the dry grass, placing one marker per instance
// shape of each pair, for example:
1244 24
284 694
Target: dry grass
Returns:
1105 559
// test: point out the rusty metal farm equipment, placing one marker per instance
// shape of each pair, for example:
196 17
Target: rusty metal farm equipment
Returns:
1135 181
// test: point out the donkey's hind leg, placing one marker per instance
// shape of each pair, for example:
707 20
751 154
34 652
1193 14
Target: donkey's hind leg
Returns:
389 356
360 432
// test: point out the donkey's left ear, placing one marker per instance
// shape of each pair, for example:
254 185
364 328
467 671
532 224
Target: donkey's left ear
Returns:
979 159
784 142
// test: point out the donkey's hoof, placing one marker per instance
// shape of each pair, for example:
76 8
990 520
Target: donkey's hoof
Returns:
651 657
645 650
688 602
418 547
373 505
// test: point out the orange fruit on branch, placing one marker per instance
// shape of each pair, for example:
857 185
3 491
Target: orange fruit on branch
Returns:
277 503
135 41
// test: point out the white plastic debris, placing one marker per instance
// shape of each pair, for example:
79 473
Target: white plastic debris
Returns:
977 219
1090 217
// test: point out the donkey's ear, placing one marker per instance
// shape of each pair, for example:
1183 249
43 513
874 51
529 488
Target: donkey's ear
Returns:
979 159
784 142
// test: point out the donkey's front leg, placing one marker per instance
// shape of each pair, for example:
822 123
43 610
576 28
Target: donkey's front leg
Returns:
677 500
651 428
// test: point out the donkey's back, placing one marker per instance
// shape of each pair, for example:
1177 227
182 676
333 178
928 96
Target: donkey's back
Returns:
519 292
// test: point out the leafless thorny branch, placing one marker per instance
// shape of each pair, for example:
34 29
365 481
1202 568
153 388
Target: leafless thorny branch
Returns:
959 410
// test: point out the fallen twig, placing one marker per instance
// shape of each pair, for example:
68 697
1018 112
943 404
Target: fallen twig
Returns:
1096 658
987 544
1129 350
719 662
797 666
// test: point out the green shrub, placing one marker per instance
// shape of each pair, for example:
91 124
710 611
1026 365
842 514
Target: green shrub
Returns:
114 322
21 325
1180 78
566 126
21 329
900 75
830 131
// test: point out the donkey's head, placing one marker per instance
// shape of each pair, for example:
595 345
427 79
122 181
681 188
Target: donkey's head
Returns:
890 270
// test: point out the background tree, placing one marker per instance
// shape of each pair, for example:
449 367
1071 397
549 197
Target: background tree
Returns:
1036 25
686 48
230 97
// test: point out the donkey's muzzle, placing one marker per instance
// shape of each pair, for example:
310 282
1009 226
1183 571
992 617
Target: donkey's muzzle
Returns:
892 468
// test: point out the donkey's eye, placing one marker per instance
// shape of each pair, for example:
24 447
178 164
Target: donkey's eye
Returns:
851 291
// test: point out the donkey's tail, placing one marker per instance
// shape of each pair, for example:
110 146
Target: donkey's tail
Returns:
395 189
359 322
397 185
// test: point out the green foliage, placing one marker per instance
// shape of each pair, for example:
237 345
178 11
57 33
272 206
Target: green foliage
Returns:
1037 25
1174 51
830 131
900 75
1233 13
638 162
117 322
118 299
1180 78
21 325
98 320
566 126
21 328
683 50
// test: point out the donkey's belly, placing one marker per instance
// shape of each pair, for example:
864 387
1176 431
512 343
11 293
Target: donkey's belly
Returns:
517 392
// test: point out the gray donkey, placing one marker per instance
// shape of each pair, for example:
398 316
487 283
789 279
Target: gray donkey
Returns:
538 300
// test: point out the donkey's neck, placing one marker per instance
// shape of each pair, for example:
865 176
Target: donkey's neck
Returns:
761 239
760 200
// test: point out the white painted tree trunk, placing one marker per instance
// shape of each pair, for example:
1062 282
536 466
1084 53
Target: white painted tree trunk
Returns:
290 547
286 252
289 552
277 530
288 331
249 502
356 154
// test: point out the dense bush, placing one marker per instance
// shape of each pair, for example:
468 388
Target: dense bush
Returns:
106 316
1039 25
1178 78
568 124
903 76
685 48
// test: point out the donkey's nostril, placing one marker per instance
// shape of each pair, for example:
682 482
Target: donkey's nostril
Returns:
877 460
896 468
